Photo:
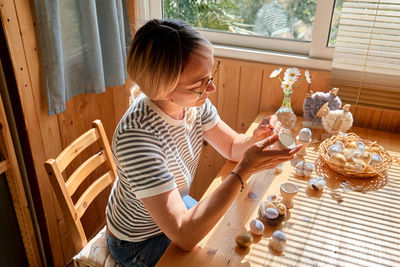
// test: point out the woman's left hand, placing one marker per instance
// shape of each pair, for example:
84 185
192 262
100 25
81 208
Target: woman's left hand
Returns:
263 131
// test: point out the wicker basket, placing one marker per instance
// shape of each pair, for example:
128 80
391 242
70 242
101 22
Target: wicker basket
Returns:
370 170
271 222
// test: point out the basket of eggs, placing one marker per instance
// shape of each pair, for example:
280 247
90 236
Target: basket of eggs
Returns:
354 157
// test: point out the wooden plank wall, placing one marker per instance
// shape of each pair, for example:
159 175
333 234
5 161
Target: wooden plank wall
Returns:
244 89
48 135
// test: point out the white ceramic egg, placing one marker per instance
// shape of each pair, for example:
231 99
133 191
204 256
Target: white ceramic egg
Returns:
305 135
278 241
271 213
317 183
361 146
340 143
375 158
257 227
308 168
333 149
358 167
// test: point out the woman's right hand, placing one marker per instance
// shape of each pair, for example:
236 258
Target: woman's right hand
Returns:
262 155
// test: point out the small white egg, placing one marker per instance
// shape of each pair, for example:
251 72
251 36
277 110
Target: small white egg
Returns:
271 213
278 241
361 146
333 149
305 135
358 167
308 168
257 227
375 158
340 144
316 183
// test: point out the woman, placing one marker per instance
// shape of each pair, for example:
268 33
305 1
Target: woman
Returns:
158 141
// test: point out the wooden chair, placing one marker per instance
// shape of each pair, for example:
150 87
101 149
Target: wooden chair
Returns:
94 253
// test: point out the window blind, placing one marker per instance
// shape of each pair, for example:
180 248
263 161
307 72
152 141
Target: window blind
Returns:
366 61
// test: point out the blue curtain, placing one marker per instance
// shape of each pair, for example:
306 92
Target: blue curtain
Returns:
84 46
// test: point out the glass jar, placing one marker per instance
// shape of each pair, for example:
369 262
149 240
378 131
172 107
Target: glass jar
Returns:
285 113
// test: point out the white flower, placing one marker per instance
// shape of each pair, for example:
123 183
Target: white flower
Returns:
289 80
286 86
307 75
293 73
275 73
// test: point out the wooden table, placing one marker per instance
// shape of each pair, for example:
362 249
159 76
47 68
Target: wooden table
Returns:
362 230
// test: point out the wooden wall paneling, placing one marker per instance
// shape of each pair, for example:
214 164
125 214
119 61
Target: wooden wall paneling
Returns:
210 160
390 121
18 19
249 94
228 91
366 117
271 91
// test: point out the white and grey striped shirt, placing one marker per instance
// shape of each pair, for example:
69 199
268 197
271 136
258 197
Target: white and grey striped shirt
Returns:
153 154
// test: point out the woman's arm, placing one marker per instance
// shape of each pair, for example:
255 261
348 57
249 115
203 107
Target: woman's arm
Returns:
232 145
187 227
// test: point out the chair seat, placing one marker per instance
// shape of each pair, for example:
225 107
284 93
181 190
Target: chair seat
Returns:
96 253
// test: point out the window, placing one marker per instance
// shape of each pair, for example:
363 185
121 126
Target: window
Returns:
301 27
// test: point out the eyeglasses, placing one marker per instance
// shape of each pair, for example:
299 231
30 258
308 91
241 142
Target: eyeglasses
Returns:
204 85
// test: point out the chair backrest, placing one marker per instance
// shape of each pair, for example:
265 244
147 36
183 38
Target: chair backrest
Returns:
65 189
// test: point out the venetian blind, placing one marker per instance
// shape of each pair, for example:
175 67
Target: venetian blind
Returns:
366 62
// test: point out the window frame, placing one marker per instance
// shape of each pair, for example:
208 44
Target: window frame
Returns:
314 54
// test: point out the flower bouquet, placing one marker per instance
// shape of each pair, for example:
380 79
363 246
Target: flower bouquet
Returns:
285 113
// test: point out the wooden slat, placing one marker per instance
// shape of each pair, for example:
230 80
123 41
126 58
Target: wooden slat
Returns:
75 148
79 175
90 194
249 94
3 166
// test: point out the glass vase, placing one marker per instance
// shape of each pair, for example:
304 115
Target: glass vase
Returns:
285 113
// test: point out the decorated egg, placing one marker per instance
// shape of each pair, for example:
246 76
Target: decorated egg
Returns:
361 146
271 213
278 241
338 159
265 205
305 135
348 154
244 240
256 227
375 158
281 208
316 183
365 156
352 144
340 143
358 167
333 149
308 168
273 199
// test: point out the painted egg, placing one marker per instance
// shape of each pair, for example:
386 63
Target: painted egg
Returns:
338 159
365 156
244 240
273 199
305 135
340 144
316 183
278 241
361 146
281 208
358 167
375 159
333 149
257 227
271 213
352 144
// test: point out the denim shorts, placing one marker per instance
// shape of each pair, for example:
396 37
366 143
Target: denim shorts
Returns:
145 253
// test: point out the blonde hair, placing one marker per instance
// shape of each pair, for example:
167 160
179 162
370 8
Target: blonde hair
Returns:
159 52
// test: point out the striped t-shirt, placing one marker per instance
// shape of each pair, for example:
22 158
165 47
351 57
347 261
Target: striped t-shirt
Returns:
153 154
